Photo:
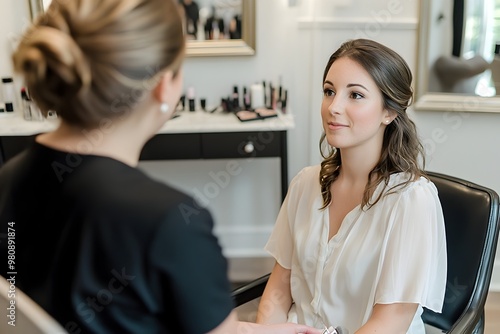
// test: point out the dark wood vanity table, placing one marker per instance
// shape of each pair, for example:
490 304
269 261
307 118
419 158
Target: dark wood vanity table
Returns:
192 135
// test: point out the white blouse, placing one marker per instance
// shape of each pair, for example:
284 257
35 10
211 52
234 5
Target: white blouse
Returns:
393 252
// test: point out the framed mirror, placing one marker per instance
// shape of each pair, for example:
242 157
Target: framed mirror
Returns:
213 27
457 54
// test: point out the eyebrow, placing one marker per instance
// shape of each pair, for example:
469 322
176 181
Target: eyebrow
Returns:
348 85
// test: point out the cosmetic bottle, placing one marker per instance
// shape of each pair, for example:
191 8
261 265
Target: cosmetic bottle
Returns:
246 99
270 99
280 96
191 100
26 105
266 98
273 98
36 113
284 101
30 109
181 105
236 99
8 94
257 96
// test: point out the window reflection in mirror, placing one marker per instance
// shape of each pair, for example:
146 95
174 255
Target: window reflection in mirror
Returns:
467 63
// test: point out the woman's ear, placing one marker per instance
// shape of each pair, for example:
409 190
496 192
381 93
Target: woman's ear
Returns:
162 89
389 116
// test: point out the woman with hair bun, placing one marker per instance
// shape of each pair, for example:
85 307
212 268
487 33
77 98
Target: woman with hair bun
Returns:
100 246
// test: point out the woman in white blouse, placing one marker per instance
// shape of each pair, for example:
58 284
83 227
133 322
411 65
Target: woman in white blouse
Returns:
360 241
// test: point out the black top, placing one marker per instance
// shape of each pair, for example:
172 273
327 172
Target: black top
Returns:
104 248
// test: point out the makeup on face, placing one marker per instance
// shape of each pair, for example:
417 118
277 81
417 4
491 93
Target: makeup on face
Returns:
353 111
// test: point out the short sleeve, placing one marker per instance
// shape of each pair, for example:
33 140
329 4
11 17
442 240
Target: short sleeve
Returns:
280 243
413 265
195 286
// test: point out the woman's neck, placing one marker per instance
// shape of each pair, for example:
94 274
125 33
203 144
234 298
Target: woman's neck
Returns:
120 140
357 163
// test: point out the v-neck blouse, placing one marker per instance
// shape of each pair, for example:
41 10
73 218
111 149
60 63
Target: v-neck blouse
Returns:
393 252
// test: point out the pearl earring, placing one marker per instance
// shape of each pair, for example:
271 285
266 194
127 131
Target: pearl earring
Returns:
164 107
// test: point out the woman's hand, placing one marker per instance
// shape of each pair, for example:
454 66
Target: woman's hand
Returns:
232 326
287 328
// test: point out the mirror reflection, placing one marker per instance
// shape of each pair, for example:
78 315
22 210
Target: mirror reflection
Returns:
212 19
213 27
464 47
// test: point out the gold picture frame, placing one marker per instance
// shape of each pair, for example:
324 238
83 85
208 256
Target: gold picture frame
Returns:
237 47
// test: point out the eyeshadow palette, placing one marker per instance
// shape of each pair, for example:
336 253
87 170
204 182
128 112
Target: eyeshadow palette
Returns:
261 113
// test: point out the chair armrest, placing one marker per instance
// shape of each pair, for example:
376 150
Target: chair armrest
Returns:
250 291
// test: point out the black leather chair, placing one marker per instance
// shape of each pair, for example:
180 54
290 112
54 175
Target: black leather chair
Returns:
471 214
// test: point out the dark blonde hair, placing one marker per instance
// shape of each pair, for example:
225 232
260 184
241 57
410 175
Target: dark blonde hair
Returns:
401 148
90 60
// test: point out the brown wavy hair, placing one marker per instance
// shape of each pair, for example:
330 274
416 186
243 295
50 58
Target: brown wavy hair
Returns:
90 60
402 150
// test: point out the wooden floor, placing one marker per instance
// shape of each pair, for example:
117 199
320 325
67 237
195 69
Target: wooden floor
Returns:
492 313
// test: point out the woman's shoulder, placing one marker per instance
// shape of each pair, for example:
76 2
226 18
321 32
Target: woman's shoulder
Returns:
305 184
405 184
307 173
413 181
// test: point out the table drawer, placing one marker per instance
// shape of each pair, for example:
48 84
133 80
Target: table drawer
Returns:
241 144
172 146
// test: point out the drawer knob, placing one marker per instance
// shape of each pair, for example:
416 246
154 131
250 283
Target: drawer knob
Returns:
249 148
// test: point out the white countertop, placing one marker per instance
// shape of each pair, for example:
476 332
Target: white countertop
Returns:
187 122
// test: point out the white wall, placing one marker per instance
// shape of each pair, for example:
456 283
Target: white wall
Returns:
15 19
294 43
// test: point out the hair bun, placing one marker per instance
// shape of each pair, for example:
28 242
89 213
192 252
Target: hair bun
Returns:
54 64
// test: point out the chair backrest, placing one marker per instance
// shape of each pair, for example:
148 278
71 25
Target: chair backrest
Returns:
20 314
472 225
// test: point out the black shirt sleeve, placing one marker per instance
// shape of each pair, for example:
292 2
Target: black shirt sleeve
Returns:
193 269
